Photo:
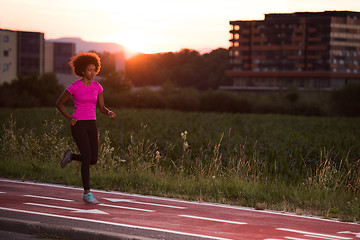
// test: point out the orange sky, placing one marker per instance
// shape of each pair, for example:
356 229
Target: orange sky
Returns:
149 26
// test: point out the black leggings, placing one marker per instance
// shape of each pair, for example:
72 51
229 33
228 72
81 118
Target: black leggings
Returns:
85 135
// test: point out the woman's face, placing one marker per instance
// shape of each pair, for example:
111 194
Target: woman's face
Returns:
90 72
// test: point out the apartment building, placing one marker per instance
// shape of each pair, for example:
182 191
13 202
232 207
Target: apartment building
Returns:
30 49
24 53
8 55
21 53
57 56
308 50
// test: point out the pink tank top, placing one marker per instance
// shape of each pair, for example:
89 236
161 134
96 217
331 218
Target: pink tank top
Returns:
85 99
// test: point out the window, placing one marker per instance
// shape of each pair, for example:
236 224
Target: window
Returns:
5 67
6 38
6 53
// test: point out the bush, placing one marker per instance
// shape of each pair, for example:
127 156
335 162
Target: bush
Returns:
346 101
31 91
144 98
186 99
190 99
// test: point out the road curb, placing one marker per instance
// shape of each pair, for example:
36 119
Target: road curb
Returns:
33 227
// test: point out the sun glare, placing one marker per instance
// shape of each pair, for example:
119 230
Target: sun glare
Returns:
137 42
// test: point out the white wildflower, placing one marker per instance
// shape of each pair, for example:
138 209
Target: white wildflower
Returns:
183 135
158 156
186 145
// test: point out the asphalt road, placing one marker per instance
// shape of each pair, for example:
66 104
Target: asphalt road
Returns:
17 236
57 210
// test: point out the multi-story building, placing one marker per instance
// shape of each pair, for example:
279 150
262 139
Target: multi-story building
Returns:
309 50
21 53
24 53
8 55
57 56
30 46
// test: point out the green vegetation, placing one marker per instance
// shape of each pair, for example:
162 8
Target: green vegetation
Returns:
190 99
30 91
306 165
42 91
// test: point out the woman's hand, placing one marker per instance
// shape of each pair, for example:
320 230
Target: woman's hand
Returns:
72 121
111 114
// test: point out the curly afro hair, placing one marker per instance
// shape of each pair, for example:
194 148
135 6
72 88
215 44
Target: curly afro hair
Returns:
80 61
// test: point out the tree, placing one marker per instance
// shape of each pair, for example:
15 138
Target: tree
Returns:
186 68
116 82
107 64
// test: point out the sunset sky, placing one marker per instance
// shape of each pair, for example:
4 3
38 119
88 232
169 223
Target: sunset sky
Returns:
150 26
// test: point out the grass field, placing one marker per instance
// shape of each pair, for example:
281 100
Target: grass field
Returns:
306 165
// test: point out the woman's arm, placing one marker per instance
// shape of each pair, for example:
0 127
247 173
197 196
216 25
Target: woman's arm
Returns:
64 97
102 107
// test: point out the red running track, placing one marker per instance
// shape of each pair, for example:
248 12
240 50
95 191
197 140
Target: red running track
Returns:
202 220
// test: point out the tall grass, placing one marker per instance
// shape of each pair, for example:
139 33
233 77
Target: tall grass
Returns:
298 164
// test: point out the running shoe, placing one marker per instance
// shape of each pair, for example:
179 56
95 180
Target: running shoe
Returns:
66 159
89 198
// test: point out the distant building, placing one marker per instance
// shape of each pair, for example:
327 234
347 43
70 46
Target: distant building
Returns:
57 57
24 53
21 54
30 53
8 55
309 50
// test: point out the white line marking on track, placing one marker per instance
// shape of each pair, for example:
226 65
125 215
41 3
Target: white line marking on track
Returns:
129 208
357 234
96 211
49 198
2 192
212 219
313 234
144 203
114 224
292 238
183 201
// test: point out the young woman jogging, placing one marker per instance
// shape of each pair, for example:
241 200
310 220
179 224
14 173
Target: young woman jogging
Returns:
86 93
